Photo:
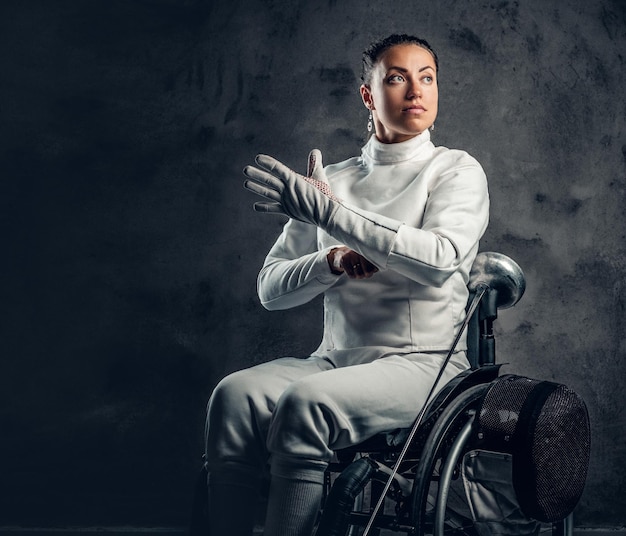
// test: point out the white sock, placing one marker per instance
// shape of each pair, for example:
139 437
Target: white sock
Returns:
295 496
293 507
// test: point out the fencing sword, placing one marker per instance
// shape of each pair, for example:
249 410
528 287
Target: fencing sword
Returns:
490 271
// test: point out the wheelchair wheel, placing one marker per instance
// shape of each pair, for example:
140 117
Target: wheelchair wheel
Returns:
439 507
436 504
445 443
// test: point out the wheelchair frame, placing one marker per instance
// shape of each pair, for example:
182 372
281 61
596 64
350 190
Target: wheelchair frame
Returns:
445 434
433 457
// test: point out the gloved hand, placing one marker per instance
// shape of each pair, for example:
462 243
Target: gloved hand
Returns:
308 199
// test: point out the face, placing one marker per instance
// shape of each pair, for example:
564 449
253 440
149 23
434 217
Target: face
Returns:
402 93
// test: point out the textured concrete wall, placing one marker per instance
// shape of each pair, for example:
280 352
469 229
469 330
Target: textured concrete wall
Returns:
130 250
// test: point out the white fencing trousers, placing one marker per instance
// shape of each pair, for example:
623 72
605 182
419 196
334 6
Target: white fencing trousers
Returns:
298 411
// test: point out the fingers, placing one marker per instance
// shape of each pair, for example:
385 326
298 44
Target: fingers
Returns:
269 178
263 177
266 185
269 208
275 167
314 165
360 270
356 266
263 191
270 194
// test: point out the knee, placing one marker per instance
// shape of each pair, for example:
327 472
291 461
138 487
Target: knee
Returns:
234 422
230 410
231 394
302 398
302 423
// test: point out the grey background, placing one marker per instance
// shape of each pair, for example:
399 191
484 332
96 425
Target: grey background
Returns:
130 251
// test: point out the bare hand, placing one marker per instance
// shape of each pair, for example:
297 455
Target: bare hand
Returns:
355 266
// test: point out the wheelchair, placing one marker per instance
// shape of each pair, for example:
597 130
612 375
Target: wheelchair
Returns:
411 481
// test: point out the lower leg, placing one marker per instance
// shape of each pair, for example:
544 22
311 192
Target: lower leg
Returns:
233 496
238 416
295 497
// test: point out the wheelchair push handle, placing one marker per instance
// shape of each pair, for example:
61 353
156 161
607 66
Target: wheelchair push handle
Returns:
501 275
501 283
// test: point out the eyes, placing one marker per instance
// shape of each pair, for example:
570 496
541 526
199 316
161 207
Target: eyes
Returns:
395 79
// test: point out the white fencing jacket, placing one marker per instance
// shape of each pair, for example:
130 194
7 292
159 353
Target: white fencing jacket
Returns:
414 210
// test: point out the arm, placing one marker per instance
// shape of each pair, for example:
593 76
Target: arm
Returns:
455 218
294 271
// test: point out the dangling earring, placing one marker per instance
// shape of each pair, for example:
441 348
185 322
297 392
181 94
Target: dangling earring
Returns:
432 127
370 123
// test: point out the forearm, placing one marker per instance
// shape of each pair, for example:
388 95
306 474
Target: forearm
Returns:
456 217
283 284
426 256
294 271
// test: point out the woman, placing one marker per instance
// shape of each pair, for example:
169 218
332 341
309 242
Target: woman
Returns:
389 238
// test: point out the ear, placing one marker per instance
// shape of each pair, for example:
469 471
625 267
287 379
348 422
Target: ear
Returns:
366 95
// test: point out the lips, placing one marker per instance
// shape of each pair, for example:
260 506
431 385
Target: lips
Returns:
414 110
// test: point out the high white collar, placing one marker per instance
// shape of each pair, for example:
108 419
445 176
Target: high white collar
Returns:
377 152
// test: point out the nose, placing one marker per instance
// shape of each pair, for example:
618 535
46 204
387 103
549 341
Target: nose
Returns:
414 90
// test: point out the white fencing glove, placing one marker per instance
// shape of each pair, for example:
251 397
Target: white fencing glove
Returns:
308 199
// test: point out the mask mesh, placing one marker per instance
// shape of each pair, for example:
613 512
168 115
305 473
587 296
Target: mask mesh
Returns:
545 426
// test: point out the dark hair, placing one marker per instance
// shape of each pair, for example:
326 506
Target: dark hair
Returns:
372 53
